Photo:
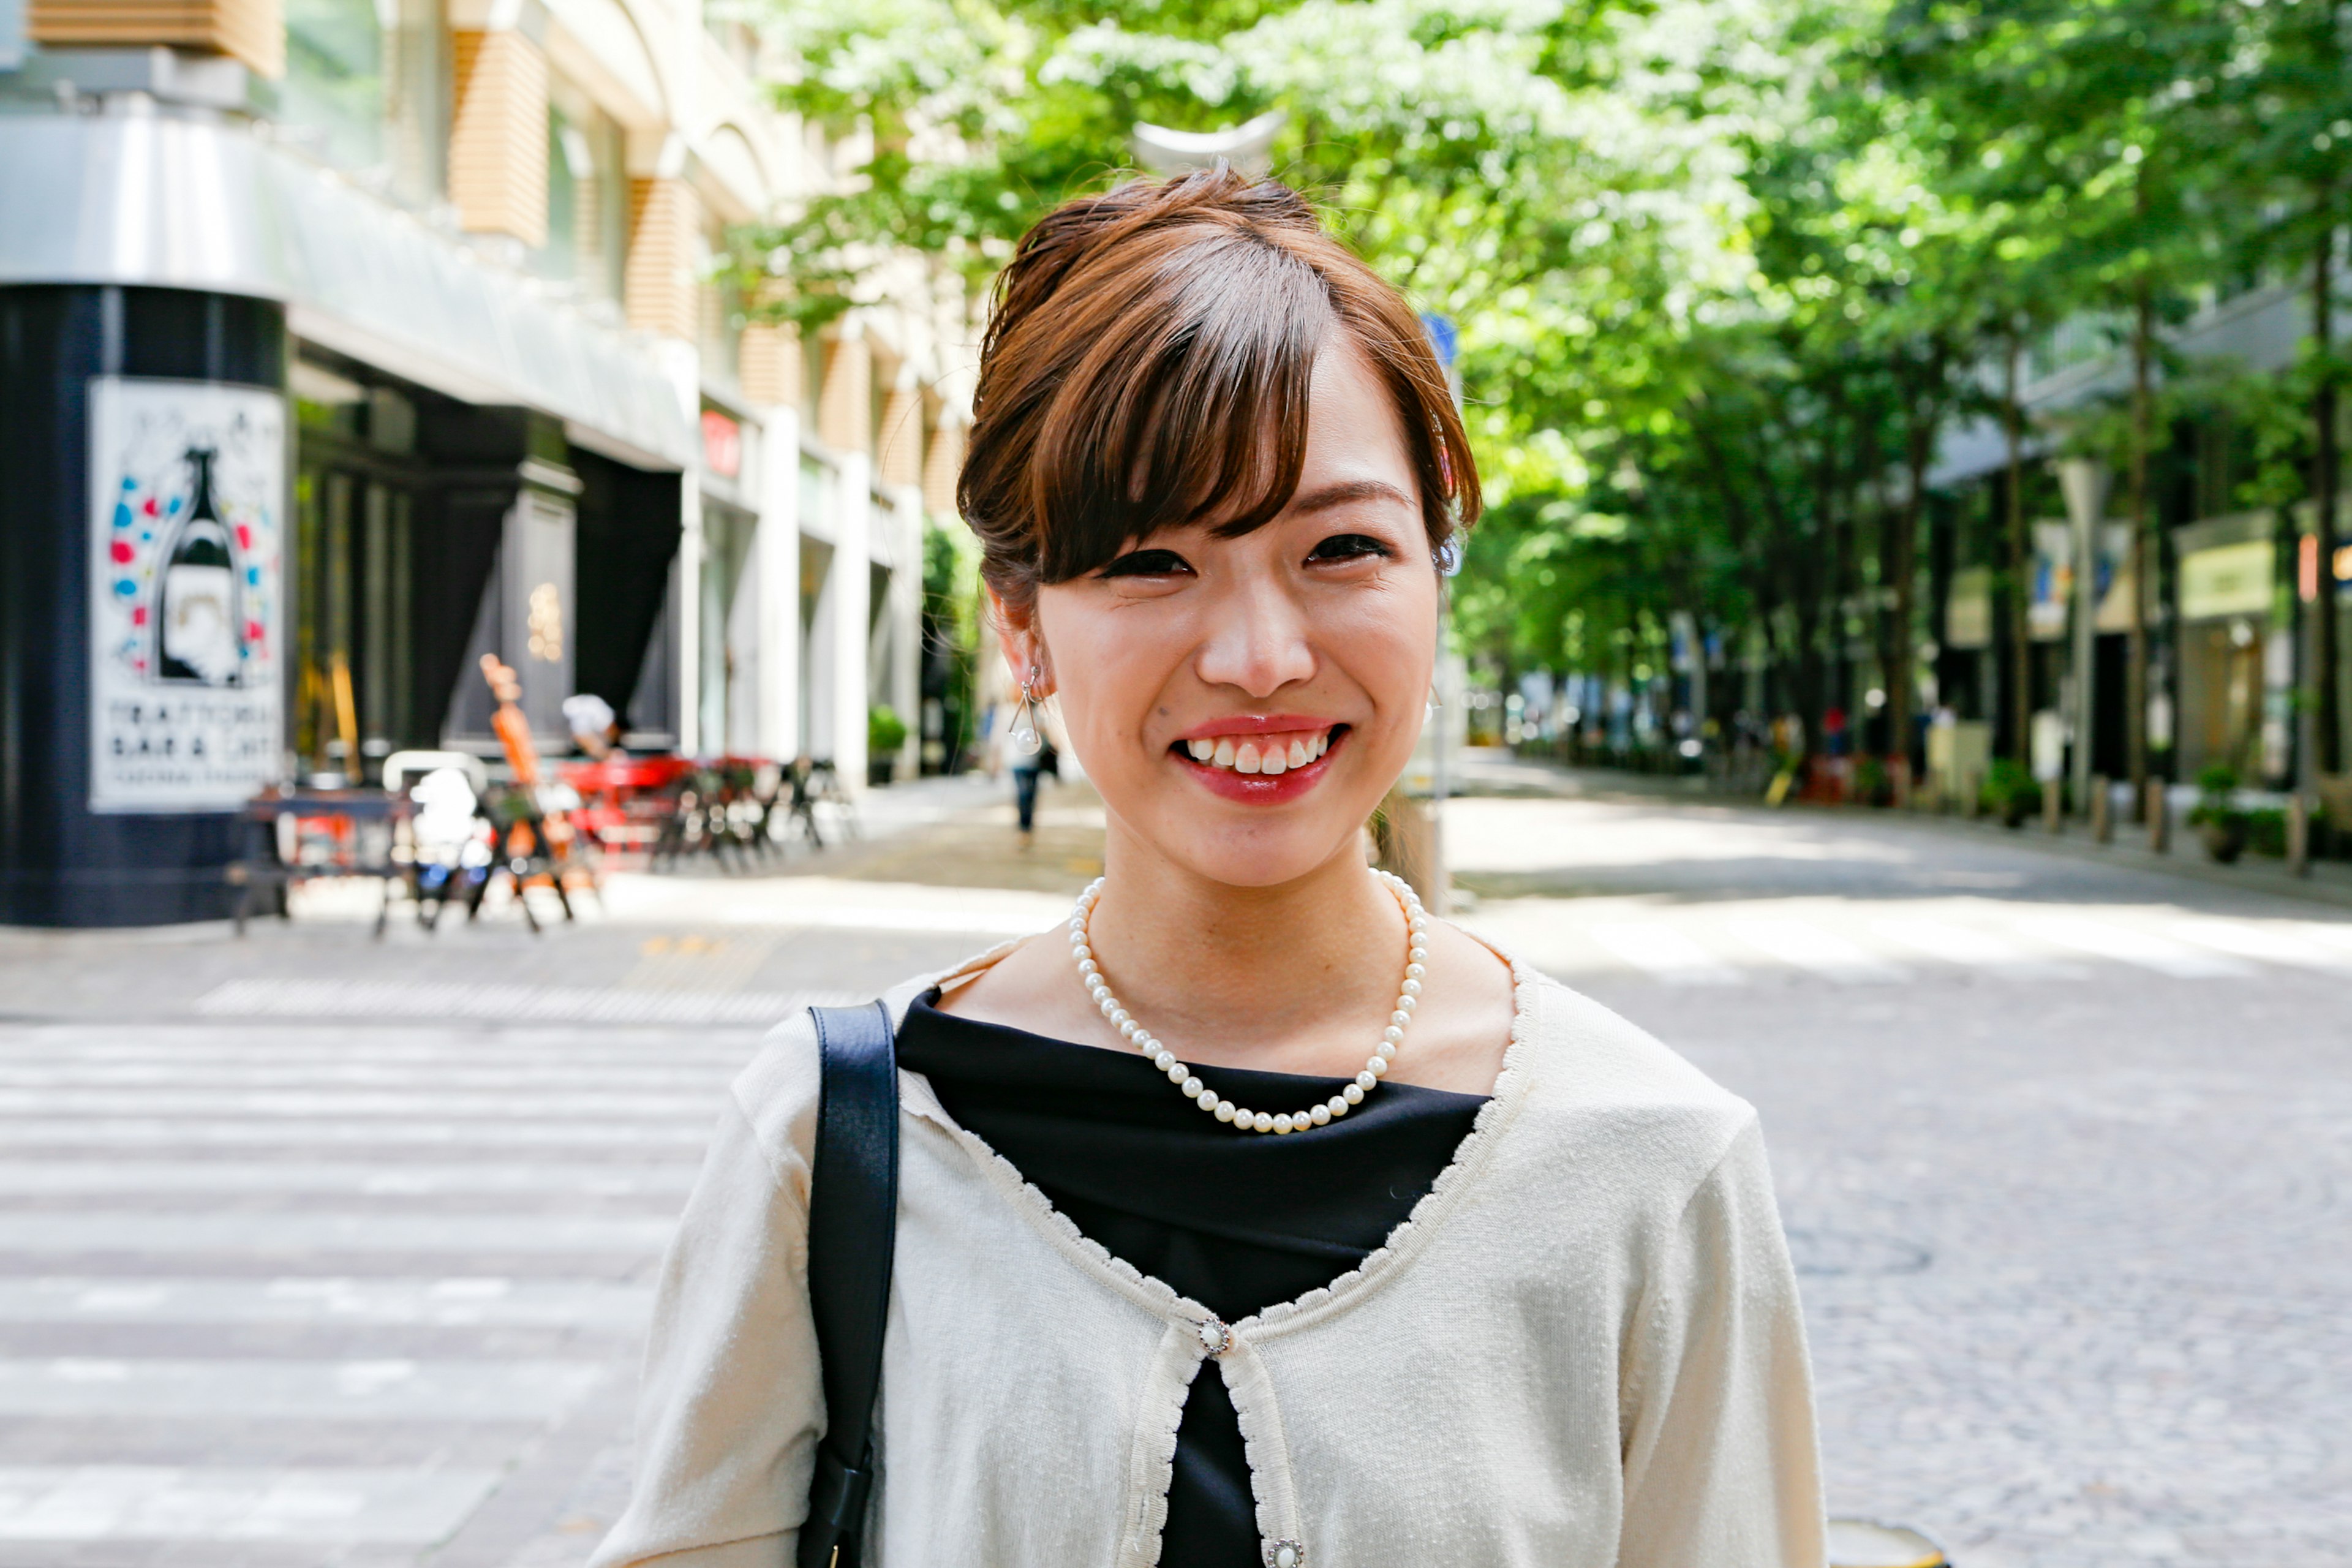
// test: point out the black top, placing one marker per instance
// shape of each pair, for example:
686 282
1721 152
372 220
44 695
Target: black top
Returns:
1237 1222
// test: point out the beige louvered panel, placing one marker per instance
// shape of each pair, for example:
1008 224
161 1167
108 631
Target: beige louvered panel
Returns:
771 363
900 459
660 291
498 136
253 31
845 405
943 466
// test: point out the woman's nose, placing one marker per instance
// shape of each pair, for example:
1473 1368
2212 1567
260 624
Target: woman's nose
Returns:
1258 642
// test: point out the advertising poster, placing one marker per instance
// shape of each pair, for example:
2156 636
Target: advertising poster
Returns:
187 485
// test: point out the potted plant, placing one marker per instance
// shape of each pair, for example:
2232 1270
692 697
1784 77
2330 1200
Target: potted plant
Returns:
885 733
2011 792
1872 783
2218 819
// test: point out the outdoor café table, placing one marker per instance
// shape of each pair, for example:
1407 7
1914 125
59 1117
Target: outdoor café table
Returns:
624 800
337 815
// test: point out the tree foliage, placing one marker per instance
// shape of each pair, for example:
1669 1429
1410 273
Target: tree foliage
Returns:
1722 269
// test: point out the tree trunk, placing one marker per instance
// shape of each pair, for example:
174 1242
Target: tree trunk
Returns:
1904 565
2142 417
1830 685
2326 729
2021 576
2143 438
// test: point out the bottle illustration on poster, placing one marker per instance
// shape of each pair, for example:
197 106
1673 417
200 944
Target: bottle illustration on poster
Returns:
196 613
187 490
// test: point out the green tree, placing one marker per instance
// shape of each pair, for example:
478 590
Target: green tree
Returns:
2081 129
2281 145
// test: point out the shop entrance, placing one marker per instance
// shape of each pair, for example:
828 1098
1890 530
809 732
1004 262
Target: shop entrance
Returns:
351 577
2221 694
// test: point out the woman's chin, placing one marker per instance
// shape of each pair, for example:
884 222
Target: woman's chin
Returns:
1248 846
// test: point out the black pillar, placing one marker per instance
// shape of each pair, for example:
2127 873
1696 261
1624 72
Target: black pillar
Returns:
62 861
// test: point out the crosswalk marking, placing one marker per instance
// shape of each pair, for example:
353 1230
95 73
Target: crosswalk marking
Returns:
249 1389
272 1043
1809 946
150 1134
698 1107
311 1231
151 1502
439 1244
2107 939
457 1301
357 1075
489 1003
26 1178
1664 952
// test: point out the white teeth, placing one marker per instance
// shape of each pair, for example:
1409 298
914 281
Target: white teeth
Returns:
1271 755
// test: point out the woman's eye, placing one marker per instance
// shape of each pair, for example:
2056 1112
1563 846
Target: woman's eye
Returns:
1349 547
1147 563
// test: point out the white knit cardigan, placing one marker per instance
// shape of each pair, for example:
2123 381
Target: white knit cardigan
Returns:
1583 1348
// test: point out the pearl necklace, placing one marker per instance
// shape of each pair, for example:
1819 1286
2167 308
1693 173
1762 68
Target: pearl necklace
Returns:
1375 1069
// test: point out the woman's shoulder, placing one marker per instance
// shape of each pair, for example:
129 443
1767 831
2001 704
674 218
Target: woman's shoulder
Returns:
776 1093
1607 1091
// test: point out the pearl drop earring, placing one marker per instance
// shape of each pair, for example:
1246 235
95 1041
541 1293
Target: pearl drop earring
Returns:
1024 736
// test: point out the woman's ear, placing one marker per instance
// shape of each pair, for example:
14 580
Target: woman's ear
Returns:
1025 650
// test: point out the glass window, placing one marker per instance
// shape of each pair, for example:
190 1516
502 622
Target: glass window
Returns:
587 199
364 90
721 310
334 94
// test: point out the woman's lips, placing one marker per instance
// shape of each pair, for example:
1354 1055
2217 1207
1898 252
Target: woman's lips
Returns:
1259 770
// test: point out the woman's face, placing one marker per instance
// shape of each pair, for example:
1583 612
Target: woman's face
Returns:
1242 704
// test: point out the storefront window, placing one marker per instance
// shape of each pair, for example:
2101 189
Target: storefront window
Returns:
363 89
722 311
729 617
334 94
587 199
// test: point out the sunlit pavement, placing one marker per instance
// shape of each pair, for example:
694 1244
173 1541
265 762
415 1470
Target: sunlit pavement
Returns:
2062 1149
320 1249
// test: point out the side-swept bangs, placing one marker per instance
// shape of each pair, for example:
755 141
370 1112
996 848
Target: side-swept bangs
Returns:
1147 365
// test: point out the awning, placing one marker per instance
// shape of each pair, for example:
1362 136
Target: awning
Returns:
157 200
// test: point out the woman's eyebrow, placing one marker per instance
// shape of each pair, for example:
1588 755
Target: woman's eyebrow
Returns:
1347 491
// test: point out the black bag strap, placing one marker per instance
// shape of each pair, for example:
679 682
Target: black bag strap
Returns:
852 1226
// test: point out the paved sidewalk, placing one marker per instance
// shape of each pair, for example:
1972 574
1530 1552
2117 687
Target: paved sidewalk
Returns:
317 1250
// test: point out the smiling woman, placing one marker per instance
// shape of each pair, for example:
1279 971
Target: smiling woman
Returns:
1503 1281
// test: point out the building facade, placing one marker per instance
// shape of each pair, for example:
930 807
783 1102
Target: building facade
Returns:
345 342
2232 596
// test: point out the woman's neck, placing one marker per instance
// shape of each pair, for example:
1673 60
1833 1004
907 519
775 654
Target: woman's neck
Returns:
1270 977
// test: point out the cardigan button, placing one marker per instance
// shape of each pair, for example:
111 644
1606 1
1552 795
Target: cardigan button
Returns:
1217 1339
1285 1554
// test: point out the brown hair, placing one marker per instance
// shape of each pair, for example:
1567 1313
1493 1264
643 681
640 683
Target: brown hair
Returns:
1146 366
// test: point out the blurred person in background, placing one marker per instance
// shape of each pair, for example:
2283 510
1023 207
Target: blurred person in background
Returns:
1501 1279
596 728
1029 766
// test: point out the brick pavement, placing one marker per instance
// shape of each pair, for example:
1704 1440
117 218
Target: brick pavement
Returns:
303 1261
